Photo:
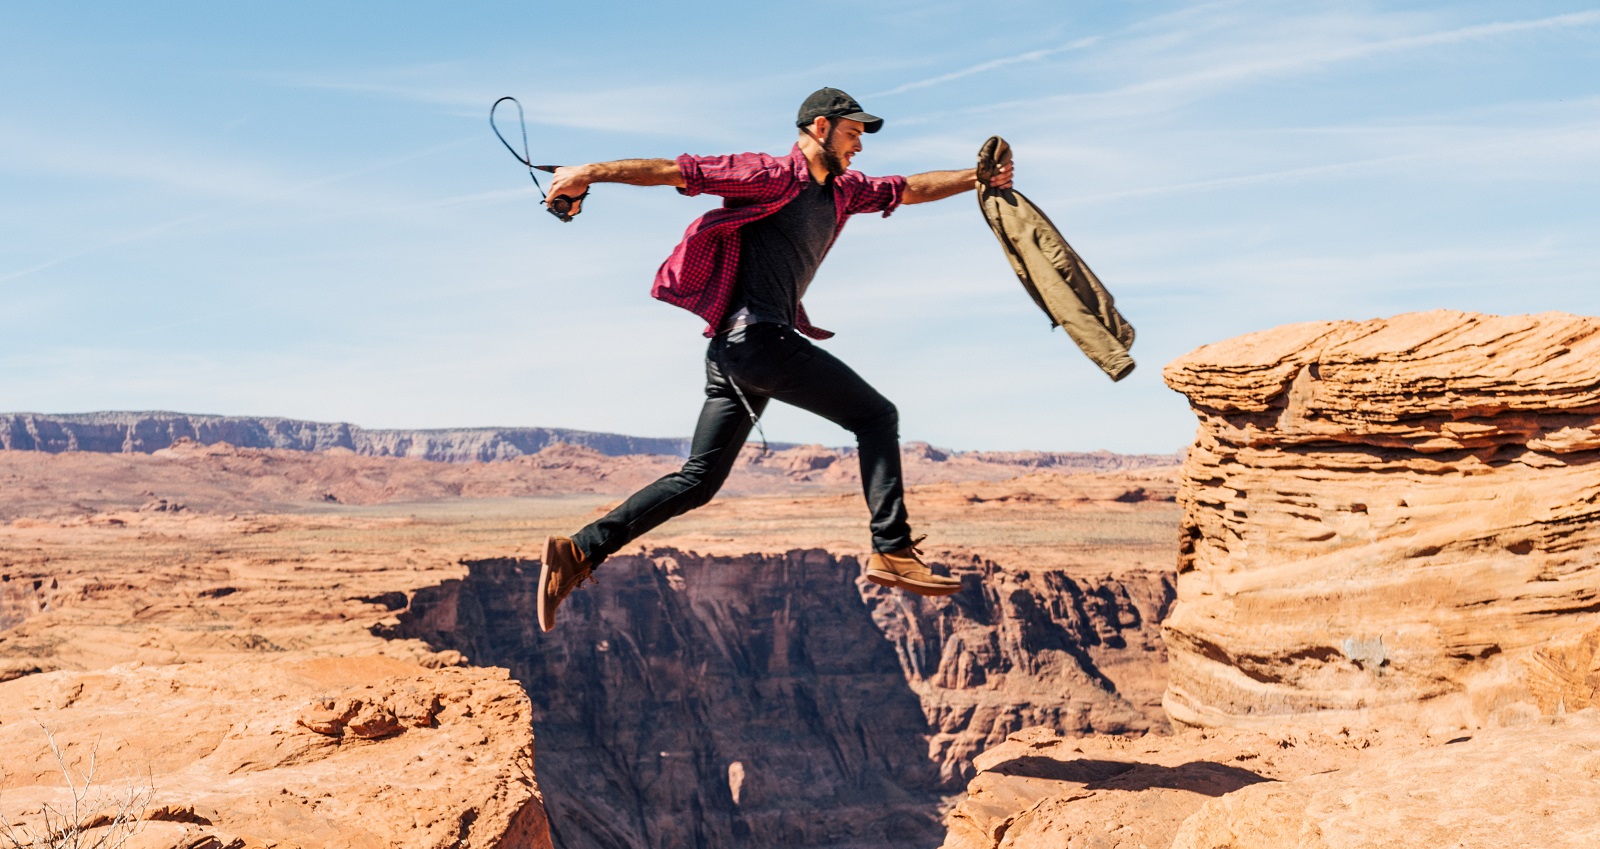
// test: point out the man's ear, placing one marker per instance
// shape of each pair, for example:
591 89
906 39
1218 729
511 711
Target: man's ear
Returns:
817 129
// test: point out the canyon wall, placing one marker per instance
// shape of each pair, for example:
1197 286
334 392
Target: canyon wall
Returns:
1021 648
686 700
1385 513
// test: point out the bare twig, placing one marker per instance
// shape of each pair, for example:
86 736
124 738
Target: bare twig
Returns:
95 818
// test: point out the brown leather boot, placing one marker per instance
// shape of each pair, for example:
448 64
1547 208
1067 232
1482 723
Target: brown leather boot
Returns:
564 570
904 569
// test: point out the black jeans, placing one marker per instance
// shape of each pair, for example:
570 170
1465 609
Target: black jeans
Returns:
769 361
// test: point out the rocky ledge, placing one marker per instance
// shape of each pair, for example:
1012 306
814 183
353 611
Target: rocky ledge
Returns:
1387 625
1389 512
222 689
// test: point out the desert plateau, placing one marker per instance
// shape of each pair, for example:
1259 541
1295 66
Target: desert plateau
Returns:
1361 610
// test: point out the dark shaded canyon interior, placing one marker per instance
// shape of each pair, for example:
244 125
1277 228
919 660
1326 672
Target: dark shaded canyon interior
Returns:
692 701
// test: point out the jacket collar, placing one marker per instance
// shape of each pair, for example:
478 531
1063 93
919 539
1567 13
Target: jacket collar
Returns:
797 159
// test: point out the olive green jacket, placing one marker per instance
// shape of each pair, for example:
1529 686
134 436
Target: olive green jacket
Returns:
1054 275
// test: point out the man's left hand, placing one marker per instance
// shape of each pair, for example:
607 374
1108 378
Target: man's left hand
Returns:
1002 178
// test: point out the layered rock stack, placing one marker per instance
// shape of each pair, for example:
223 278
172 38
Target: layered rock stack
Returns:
1385 513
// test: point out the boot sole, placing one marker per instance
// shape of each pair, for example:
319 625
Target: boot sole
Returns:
546 621
890 579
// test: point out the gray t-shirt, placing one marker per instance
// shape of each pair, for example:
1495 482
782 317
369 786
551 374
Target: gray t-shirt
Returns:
779 254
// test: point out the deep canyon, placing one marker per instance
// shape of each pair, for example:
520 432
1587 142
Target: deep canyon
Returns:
1365 611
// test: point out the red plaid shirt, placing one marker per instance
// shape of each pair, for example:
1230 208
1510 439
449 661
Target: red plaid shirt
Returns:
703 270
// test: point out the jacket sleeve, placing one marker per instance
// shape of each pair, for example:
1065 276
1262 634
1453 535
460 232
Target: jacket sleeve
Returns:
871 194
740 176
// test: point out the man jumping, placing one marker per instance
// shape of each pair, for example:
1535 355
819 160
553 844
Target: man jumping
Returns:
744 268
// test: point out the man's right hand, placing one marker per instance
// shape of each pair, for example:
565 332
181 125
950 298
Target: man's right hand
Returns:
572 181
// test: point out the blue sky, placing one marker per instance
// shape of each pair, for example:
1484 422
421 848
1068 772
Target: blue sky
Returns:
298 209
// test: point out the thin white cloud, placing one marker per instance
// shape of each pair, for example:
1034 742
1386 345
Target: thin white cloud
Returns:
1289 59
1312 60
654 110
266 192
1493 152
1030 56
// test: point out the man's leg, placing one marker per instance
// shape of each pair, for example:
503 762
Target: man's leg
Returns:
779 363
718 436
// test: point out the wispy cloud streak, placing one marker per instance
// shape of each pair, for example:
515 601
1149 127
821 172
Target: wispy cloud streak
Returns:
1030 56
1300 61
1536 143
177 224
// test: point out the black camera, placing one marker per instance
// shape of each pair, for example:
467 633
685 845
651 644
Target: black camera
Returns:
561 206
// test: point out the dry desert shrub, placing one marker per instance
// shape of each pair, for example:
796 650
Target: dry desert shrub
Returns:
97 817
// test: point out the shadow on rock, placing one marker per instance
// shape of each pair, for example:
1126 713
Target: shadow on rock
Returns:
1203 777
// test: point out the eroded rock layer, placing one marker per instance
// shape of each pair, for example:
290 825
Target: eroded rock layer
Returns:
1384 513
689 700
1028 648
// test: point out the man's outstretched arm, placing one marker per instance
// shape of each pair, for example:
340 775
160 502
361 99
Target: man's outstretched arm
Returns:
574 180
938 185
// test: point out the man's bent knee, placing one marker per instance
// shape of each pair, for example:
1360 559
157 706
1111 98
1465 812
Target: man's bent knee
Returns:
884 419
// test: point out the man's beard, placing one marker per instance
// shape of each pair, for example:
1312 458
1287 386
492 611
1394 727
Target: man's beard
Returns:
830 158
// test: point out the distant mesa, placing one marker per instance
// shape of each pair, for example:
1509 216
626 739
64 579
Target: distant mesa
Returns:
148 432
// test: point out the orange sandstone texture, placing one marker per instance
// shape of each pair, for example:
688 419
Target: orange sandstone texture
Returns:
1537 785
1395 512
1038 790
300 677
230 666
1388 606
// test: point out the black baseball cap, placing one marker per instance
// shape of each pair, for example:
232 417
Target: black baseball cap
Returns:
833 103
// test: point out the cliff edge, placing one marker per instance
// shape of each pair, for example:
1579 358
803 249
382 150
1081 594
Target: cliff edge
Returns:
1387 625
1394 512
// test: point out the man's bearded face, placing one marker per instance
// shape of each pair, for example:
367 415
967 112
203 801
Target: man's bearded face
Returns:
832 153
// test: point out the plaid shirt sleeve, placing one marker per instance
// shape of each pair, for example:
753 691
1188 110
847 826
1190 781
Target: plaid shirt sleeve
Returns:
871 194
751 177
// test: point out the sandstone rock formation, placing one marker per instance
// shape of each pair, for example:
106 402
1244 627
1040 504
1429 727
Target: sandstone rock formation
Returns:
1220 788
256 759
794 701
677 672
212 665
1532 786
1386 574
1039 790
1385 513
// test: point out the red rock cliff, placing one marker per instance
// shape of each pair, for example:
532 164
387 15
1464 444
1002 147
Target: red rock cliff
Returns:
1387 512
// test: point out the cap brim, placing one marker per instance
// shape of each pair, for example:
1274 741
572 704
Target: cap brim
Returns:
873 123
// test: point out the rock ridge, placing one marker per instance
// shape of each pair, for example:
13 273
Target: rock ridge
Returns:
146 432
